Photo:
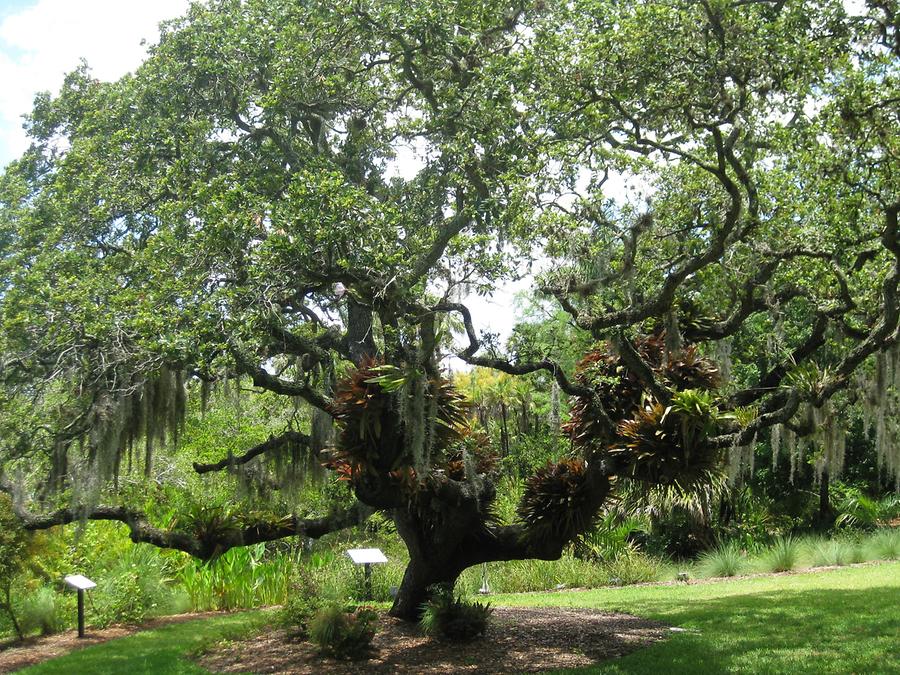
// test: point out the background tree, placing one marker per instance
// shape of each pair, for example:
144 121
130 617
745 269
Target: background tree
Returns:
234 213
13 552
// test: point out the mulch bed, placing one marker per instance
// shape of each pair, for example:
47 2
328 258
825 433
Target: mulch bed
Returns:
518 640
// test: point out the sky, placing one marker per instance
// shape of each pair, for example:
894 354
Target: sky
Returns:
42 40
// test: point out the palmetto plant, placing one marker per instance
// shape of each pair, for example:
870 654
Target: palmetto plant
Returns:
857 510
609 538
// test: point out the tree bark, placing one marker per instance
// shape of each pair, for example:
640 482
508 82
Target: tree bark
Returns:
359 331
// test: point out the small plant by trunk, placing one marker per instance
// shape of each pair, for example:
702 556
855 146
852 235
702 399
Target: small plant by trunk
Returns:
451 617
344 633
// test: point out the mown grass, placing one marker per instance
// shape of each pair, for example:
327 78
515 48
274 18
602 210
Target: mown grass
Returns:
836 621
160 651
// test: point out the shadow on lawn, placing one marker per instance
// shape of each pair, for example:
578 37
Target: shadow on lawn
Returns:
816 631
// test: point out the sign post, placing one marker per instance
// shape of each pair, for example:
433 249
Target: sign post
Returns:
367 557
81 584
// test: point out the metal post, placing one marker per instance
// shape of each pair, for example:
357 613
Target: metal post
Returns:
81 612
485 589
368 574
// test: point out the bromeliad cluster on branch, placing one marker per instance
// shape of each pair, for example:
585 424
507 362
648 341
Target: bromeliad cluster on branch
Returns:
401 423
656 441
652 441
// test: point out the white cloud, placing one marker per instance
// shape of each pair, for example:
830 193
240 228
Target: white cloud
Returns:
42 42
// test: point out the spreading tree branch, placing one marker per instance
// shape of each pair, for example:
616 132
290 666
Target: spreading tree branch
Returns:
273 443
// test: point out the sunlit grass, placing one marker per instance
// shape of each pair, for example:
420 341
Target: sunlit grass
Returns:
159 652
835 621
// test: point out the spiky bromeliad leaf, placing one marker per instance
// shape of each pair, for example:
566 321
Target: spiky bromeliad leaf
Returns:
621 392
557 500
652 442
664 446
377 430
472 455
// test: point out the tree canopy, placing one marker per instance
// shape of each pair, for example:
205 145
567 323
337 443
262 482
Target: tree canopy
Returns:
244 207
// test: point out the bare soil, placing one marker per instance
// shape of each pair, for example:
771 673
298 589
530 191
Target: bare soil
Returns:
18 655
518 640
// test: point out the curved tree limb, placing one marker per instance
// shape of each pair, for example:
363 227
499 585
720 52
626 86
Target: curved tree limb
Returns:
468 355
273 443
205 547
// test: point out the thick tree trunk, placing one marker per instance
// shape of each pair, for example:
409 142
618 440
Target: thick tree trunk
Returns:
420 574
456 537
433 557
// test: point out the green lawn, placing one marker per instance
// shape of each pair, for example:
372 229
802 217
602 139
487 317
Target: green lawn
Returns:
161 651
837 621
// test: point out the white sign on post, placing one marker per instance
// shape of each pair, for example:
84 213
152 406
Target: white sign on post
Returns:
366 556
79 582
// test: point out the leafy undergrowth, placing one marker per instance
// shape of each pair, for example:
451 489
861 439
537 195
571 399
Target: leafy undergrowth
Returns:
835 621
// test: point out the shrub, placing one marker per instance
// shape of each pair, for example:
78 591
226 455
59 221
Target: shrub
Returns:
303 601
450 617
726 560
135 588
40 612
341 633
783 555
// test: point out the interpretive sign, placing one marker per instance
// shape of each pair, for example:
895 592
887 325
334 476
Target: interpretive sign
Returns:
80 583
367 557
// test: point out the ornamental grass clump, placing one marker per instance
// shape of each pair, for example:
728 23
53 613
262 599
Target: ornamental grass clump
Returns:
344 633
783 555
631 566
726 560
831 553
885 544
40 612
450 617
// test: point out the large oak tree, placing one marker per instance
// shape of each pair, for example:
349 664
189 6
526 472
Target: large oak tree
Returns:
244 206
